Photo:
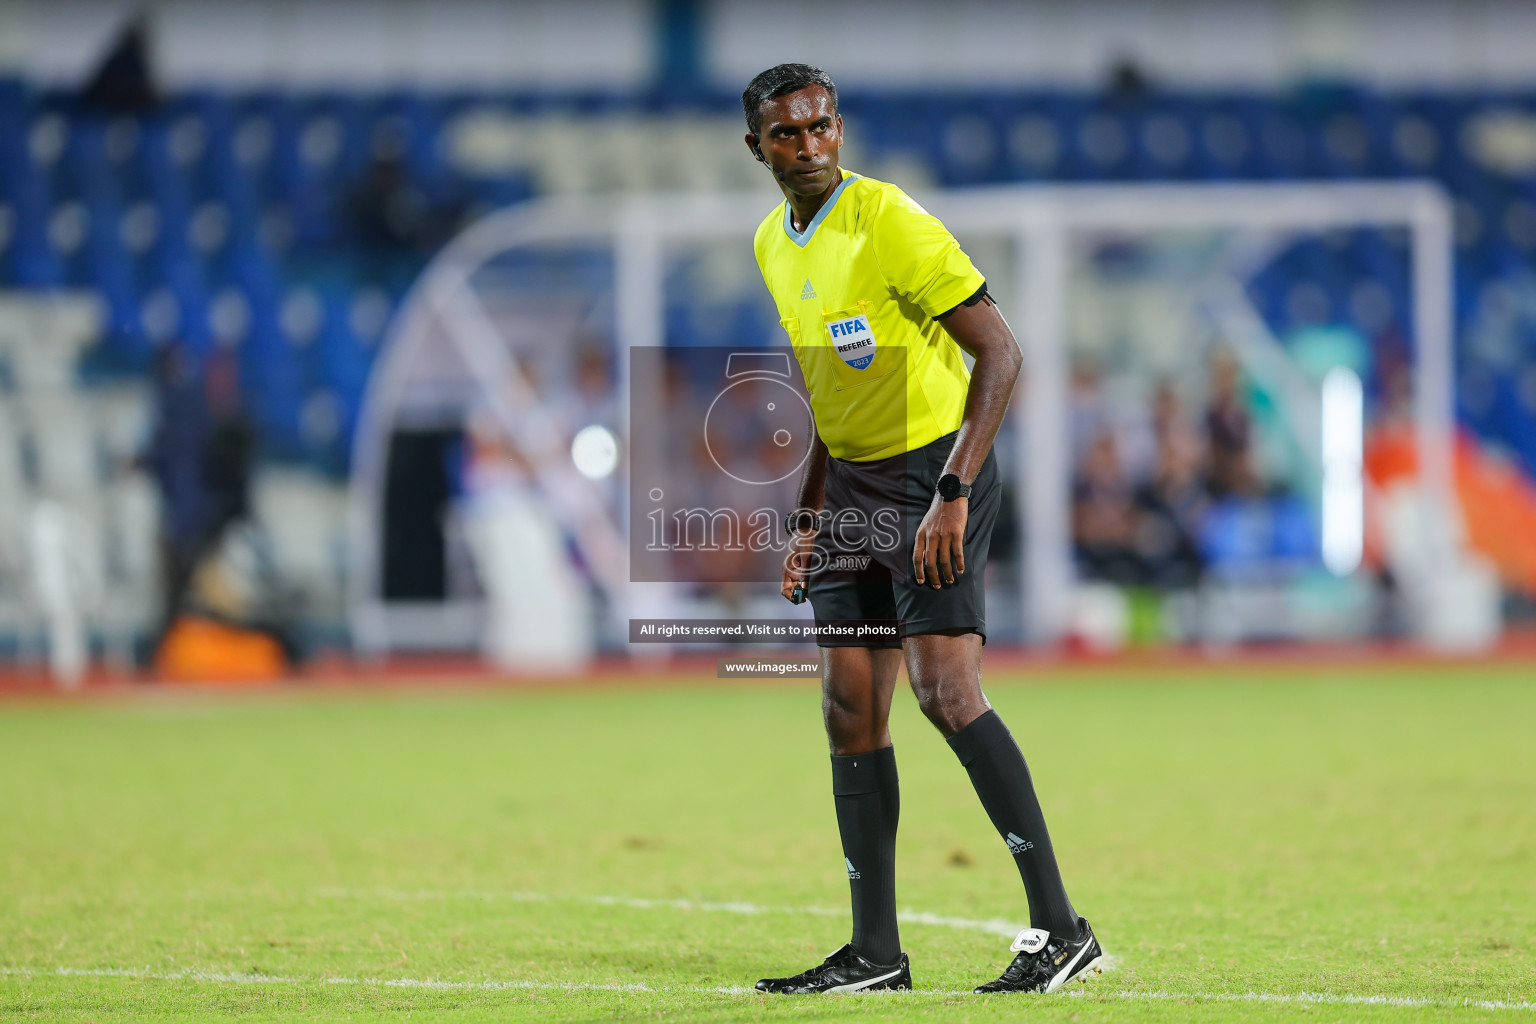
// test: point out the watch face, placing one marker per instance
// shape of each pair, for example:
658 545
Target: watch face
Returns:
949 486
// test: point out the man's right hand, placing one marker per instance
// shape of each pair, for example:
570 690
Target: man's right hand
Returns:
797 562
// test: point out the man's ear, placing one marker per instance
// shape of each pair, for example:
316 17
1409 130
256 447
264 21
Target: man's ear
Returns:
753 144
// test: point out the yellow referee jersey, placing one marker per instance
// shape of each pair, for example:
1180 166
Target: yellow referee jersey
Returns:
857 292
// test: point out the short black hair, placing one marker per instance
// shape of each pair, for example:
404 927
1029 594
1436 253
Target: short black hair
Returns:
780 80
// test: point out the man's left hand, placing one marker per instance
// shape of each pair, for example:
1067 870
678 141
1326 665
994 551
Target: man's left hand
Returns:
938 556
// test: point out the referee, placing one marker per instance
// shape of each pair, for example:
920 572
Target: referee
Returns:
894 515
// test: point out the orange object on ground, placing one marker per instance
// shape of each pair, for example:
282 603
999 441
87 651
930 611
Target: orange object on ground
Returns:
1497 501
203 651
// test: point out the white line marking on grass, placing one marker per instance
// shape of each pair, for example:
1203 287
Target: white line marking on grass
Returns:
235 978
994 926
1411 1002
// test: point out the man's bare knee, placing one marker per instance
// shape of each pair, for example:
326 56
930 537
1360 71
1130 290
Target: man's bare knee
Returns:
845 702
946 679
950 705
856 698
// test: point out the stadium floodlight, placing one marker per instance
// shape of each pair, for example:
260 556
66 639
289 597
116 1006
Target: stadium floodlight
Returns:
450 345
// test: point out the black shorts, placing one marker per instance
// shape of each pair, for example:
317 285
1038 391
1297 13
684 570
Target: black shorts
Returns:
862 569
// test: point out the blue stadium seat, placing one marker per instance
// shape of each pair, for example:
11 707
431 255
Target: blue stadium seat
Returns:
1293 536
274 383
1164 141
1259 538
31 261
1235 538
342 358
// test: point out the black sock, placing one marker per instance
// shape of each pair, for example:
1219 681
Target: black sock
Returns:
868 804
1001 778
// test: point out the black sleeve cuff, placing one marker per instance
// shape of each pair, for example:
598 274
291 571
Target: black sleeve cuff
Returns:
980 294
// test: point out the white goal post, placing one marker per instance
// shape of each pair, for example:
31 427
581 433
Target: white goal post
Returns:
443 316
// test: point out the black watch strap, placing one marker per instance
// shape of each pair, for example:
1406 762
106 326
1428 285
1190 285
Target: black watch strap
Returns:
951 488
803 520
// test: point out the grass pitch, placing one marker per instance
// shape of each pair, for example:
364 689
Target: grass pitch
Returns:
1251 843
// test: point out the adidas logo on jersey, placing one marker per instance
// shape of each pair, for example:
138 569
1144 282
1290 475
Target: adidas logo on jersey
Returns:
808 292
1017 845
853 872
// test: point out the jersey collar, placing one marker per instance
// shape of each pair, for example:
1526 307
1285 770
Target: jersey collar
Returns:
800 238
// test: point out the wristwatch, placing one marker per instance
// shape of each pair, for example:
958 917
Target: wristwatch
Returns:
951 488
803 520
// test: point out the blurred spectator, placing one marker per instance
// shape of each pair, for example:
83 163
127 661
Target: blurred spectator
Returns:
395 226
1168 414
1172 504
201 456
592 398
231 444
1127 85
1104 516
123 84
1229 432
176 459
539 605
1142 528
1085 409
1098 405
388 214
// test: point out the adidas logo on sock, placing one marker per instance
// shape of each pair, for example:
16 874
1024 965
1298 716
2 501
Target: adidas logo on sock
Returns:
1017 845
853 872
808 292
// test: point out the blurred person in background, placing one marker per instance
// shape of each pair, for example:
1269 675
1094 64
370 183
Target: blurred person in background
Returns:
395 225
1104 516
1097 405
592 397
202 456
175 459
230 447
124 82
390 218
1229 432
1086 418
539 604
1168 415
1171 505
590 400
